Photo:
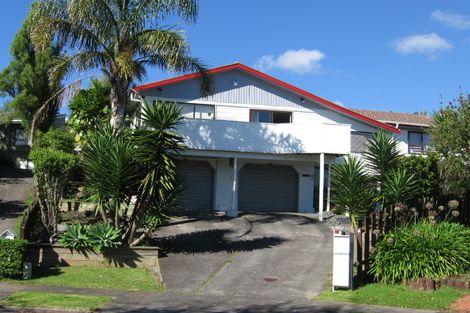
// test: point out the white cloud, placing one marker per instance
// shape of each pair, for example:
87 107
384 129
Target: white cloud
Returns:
452 20
298 61
428 44
341 104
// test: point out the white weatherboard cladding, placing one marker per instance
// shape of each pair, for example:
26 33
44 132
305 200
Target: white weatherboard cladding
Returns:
248 90
233 100
232 113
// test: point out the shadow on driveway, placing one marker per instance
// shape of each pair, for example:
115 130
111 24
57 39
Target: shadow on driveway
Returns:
212 241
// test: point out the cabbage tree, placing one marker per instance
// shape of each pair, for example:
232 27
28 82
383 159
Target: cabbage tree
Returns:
135 166
353 190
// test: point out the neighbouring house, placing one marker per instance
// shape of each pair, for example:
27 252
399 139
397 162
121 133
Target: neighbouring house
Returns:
414 134
14 140
258 143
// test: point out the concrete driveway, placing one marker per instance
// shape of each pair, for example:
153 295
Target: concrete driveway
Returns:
277 256
15 185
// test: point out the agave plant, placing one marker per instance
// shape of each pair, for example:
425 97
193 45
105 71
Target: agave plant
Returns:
104 236
76 237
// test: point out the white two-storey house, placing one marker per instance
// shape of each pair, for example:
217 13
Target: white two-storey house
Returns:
258 143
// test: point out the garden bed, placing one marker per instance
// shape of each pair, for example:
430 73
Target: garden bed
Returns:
46 255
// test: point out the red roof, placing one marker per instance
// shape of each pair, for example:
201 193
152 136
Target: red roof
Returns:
275 81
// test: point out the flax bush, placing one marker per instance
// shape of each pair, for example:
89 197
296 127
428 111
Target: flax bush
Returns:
422 250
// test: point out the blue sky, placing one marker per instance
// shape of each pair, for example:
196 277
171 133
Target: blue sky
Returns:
386 55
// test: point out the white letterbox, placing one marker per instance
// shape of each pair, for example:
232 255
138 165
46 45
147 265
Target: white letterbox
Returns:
342 260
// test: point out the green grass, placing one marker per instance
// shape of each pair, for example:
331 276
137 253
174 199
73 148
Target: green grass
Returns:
39 299
93 277
396 295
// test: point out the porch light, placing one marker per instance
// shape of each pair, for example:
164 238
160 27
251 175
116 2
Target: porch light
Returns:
235 83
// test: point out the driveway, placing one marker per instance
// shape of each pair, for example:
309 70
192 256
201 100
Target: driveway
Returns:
277 256
15 185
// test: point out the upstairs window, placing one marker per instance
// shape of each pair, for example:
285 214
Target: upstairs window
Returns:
270 116
198 111
415 142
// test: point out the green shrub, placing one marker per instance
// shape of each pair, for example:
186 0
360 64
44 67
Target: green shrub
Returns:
76 237
104 236
57 139
425 171
422 250
52 170
12 256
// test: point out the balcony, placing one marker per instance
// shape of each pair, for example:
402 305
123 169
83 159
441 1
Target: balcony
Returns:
292 138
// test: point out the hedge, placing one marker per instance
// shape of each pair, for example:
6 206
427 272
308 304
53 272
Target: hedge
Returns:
12 256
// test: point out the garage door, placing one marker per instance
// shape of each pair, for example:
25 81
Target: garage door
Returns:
267 188
198 179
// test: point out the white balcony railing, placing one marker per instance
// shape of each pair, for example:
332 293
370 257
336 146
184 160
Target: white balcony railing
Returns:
266 138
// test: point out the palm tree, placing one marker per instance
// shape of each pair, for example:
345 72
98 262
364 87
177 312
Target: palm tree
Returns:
119 37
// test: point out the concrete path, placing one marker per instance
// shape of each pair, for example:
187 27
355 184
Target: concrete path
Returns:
15 186
146 302
277 256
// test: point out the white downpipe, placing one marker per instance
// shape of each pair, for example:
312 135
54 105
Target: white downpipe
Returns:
321 187
328 189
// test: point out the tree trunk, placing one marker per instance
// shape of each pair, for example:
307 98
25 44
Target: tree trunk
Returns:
119 100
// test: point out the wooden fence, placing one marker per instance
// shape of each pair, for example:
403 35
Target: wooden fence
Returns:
369 230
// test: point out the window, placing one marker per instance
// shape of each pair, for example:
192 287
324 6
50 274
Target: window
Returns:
199 111
20 138
270 117
415 142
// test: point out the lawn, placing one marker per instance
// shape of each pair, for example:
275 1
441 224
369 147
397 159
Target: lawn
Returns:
396 295
39 299
93 277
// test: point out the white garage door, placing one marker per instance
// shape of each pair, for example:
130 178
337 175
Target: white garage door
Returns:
198 182
268 188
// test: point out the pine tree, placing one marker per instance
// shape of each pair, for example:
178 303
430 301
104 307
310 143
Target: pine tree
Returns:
25 82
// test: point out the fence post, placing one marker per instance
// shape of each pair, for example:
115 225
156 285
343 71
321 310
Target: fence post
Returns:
373 228
366 244
360 251
380 221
